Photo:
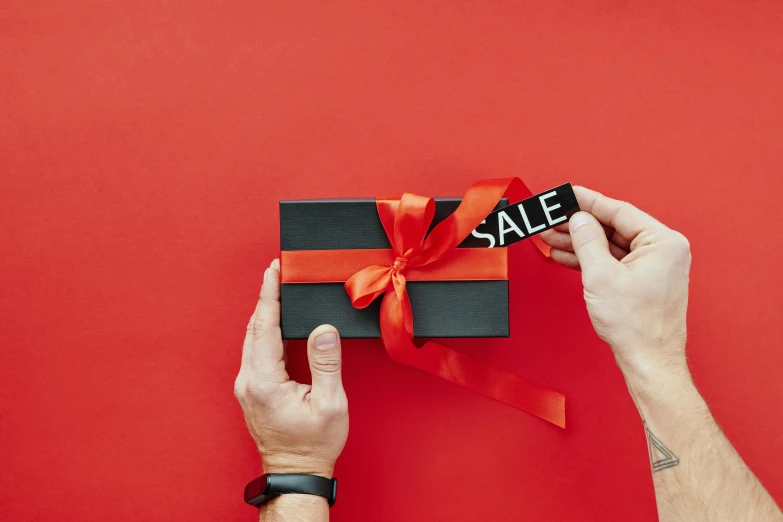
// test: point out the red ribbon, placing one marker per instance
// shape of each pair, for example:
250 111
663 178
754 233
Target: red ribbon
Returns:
336 266
406 222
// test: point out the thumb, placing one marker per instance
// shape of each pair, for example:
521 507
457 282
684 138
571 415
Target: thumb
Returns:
323 352
590 244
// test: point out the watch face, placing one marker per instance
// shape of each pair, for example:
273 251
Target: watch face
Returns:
254 491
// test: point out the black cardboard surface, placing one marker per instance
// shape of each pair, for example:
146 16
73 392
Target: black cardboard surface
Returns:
441 308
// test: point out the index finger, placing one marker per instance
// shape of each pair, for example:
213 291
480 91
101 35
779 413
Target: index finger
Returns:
625 218
265 341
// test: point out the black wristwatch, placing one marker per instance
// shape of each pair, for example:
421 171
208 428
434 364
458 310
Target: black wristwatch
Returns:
270 485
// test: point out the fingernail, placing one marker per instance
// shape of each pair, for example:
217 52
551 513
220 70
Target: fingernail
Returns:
577 220
275 264
267 275
326 340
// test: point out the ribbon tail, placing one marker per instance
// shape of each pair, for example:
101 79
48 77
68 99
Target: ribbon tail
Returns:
456 367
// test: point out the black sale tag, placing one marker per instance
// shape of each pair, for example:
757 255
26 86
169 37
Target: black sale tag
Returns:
529 217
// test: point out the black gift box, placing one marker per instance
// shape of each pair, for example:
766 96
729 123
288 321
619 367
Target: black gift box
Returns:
440 308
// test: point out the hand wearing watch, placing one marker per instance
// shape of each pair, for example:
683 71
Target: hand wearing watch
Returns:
270 485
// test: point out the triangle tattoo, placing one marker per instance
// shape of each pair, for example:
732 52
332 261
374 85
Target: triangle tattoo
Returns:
661 457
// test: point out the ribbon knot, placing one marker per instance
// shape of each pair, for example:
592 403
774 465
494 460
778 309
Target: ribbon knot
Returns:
405 222
399 264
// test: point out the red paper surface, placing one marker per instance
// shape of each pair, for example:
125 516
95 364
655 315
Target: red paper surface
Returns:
143 149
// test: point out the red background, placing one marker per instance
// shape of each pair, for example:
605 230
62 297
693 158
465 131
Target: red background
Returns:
143 149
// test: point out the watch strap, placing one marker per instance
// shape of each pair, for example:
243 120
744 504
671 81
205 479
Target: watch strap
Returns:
270 485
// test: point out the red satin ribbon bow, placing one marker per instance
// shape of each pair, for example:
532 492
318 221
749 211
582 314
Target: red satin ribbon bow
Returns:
406 222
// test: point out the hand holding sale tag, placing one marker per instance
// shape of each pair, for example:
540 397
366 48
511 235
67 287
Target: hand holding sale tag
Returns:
529 217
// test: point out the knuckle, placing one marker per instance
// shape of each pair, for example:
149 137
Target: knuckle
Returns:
628 210
627 207
258 327
622 210
680 245
257 391
327 364
239 388
682 242
262 329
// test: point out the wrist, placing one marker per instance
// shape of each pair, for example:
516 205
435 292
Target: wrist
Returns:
296 463
653 379
648 368
663 392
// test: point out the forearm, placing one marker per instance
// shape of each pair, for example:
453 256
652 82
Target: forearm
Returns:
697 474
295 508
